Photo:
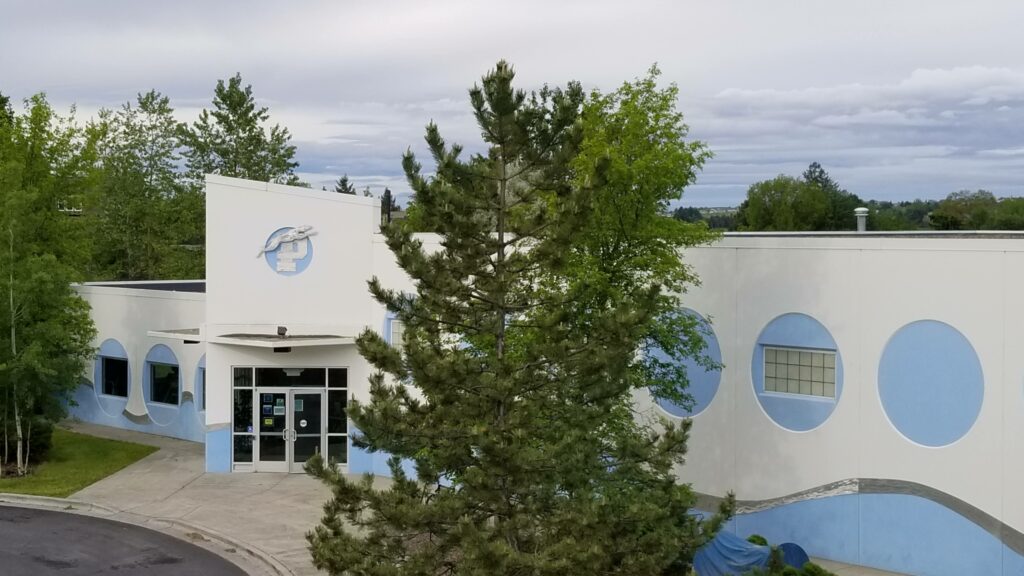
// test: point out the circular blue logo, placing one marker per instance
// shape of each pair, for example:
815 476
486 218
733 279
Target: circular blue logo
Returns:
288 251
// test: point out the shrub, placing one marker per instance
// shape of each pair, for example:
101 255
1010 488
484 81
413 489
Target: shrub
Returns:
38 443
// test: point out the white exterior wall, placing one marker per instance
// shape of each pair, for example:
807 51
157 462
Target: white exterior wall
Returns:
861 288
125 315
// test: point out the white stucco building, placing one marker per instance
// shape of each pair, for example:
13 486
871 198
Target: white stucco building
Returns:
870 408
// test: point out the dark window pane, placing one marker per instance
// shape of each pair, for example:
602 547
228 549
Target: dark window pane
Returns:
243 377
337 378
243 411
202 388
308 416
291 377
337 449
163 383
304 448
115 376
337 421
272 448
243 448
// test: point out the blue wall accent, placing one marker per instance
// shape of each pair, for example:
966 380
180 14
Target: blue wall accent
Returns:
161 414
795 412
111 406
218 450
703 382
198 390
931 383
388 319
361 461
90 405
300 265
897 532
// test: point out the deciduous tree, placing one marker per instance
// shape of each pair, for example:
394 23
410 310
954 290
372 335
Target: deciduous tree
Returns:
45 329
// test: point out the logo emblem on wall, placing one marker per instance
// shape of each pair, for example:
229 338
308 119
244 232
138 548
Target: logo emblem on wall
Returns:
288 251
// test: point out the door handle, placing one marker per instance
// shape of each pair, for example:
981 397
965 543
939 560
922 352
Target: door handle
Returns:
285 434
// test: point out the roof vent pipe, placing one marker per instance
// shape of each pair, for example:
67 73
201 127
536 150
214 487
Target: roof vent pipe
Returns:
862 219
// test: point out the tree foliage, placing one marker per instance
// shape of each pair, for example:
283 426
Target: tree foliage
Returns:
135 213
45 328
233 139
511 391
343 186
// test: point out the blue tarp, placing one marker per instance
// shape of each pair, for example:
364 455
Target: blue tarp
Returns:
728 554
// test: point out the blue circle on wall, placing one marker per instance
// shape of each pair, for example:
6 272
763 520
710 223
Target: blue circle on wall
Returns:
288 251
703 383
930 383
795 412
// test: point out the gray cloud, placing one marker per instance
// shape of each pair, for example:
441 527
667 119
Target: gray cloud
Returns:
897 100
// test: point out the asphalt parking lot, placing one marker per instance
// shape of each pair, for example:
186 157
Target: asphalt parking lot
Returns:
43 542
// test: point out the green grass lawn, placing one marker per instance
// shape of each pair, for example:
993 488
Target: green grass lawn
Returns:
75 461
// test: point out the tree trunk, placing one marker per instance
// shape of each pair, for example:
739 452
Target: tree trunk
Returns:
14 352
28 444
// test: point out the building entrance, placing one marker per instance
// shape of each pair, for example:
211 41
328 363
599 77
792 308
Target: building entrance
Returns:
291 428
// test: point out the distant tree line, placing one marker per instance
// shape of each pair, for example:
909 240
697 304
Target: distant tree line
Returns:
816 202
119 197
136 194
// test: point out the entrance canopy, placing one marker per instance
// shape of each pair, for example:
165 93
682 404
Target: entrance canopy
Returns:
255 340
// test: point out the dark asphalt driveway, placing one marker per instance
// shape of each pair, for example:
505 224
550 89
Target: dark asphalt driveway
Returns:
43 542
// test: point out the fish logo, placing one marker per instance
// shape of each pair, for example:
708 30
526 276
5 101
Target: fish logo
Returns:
288 251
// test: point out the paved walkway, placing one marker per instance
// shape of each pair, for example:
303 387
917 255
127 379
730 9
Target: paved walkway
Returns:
268 512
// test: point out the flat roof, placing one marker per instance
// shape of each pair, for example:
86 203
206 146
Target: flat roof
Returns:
195 286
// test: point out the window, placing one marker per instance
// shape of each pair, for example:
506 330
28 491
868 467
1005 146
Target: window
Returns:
797 371
397 330
115 376
163 383
305 377
202 388
242 434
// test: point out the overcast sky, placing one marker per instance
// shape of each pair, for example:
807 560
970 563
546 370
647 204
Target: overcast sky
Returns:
896 98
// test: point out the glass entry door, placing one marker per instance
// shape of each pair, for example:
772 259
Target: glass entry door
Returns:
290 428
307 429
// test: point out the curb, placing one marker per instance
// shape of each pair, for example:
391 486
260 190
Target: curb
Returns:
224 546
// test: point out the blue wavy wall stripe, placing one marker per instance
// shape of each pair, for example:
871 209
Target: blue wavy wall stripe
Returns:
930 382
703 383
795 412
896 532
89 406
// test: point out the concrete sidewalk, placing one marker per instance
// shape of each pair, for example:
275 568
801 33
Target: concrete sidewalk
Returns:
270 513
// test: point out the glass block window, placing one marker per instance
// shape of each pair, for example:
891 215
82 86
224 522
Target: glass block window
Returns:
797 371
397 332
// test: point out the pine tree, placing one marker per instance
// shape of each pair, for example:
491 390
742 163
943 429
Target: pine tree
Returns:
511 398
343 186
232 140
